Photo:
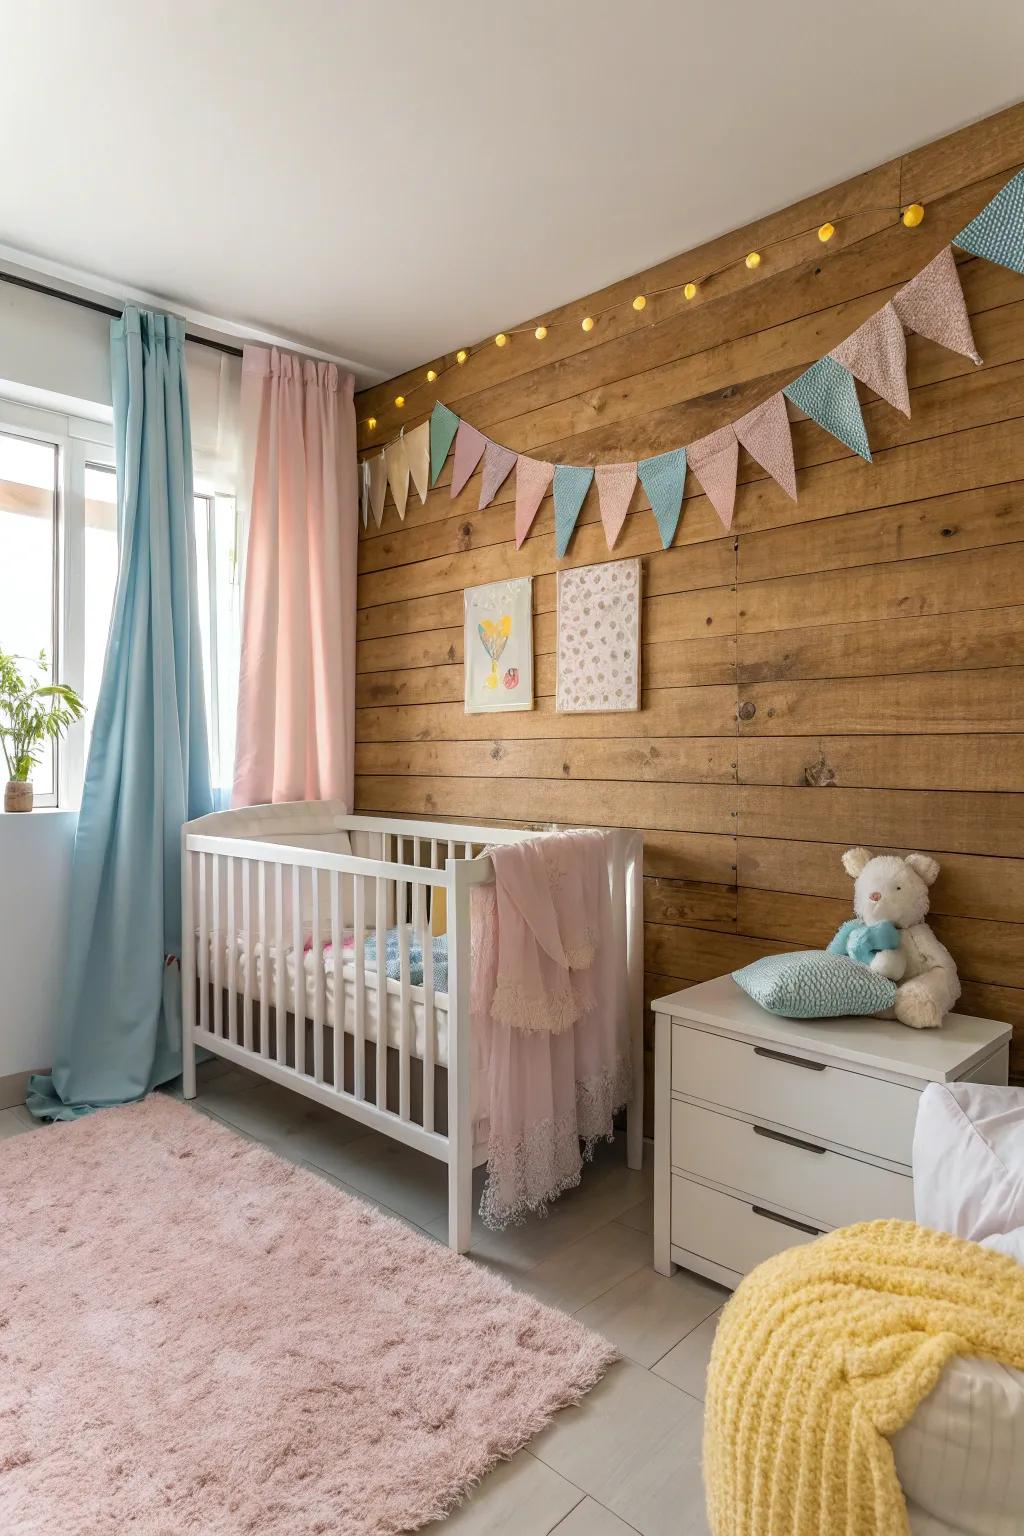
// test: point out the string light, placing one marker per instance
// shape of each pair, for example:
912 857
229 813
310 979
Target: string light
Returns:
912 215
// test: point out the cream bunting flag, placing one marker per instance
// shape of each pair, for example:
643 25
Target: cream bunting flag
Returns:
497 466
615 486
533 476
932 304
765 433
714 460
378 486
469 448
417 451
398 473
876 354
364 490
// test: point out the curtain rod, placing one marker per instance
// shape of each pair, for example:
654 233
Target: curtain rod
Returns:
105 309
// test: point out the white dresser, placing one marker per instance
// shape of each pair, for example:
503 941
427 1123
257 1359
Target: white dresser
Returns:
769 1131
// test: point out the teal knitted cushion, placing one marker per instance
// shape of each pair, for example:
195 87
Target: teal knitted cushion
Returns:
815 985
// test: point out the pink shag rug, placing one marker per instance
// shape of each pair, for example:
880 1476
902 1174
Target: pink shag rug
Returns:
196 1336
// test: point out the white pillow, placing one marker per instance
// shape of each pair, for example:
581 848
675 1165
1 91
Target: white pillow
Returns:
960 1459
969 1159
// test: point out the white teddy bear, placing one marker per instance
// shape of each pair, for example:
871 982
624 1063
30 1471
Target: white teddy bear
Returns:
888 889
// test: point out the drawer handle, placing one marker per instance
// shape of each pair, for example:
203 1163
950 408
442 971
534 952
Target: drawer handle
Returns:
794 1061
786 1221
791 1141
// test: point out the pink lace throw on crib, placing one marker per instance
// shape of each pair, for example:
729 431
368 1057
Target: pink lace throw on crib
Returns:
548 1019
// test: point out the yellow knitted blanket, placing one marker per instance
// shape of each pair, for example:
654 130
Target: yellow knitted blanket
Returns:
826 1350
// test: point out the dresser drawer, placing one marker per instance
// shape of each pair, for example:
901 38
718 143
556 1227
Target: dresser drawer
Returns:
833 1189
725 1230
829 1103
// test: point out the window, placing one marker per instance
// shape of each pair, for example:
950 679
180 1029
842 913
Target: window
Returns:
58 575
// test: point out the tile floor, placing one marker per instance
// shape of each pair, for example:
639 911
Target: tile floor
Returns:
628 1458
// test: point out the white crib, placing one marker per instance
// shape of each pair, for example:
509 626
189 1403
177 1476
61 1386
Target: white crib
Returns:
275 897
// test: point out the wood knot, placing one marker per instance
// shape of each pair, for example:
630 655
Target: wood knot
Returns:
747 710
497 752
820 775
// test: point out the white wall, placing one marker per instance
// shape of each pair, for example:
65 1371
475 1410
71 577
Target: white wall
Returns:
35 869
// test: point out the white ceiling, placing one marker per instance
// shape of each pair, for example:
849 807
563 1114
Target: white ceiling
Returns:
389 180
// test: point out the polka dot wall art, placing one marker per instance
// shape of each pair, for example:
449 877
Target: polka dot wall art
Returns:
598 638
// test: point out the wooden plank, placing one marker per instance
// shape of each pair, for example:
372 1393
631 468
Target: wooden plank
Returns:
884 762
951 822
692 903
968 885
672 760
925 703
700 953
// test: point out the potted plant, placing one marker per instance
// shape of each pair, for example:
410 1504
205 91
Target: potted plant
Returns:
31 713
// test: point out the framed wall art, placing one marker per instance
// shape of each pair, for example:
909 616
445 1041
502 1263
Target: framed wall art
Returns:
498 647
598 638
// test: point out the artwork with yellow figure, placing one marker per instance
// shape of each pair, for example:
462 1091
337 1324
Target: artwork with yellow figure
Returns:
498 646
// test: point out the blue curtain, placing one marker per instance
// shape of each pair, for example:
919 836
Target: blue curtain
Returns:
149 765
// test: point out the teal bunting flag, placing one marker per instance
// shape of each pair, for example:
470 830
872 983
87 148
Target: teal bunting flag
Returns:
443 426
663 478
572 482
998 231
828 395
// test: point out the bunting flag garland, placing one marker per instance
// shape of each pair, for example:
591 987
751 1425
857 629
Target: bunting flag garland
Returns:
714 460
765 433
932 304
876 354
998 231
397 462
662 478
378 486
469 450
572 482
827 394
615 486
533 476
443 426
497 467
417 451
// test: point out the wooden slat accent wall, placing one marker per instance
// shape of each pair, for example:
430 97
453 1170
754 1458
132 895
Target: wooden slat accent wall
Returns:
872 632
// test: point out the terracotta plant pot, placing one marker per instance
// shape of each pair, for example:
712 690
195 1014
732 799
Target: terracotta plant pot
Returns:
17 796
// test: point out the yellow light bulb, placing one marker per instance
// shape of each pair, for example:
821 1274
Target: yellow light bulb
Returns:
913 215
587 323
754 260
826 232
500 339
460 357
640 302
399 401
431 375
372 423
541 332
690 291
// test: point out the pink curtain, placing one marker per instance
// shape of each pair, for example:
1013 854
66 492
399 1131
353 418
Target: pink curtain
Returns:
296 696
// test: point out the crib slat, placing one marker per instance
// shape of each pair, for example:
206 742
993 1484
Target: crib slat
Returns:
382 992
317 953
338 1010
405 1004
261 869
204 946
299 999
423 928
247 954
231 1022
359 958
280 1006
218 951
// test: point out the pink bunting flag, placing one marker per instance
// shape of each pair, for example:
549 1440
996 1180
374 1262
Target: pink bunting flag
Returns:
498 462
765 434
417 451
714 460
615 486
398 473
533 476
469 448
876 354
932 305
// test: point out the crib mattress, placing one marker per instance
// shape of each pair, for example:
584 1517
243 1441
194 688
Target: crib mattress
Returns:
235 955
